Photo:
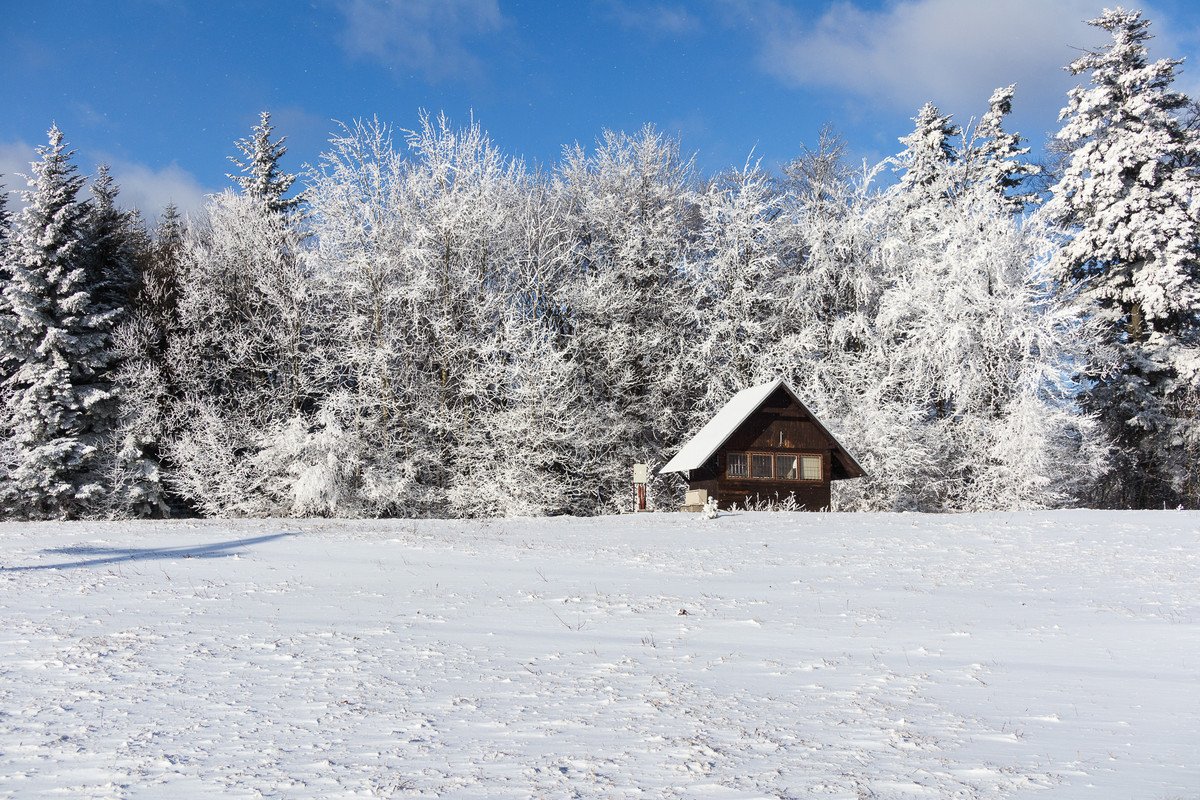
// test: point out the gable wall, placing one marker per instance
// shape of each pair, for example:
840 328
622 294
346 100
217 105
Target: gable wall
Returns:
770 432
779 427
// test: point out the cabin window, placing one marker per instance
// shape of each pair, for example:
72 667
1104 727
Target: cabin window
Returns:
766 466
760 465
810 468
785 468
736 467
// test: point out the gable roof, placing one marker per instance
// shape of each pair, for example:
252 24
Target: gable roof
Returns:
717 431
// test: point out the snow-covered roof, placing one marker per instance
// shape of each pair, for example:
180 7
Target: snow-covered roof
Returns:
701 446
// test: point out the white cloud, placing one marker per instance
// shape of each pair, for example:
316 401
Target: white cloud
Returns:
428 36
15 157
654 18
950 52
142 187
150 190
15 160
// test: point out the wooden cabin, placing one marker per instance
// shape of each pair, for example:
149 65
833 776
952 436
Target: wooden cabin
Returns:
764 445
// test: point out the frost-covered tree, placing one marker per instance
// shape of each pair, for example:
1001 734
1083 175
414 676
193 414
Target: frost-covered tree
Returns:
928 153
997 158
226 342
818 180
735 273
261 176
630 205
979 348
531 451
463 190
449 391
369 301
240 360
1128 199
148 385
59 398
919 328
957 392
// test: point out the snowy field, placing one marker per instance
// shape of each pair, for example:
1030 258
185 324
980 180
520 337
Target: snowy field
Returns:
753 656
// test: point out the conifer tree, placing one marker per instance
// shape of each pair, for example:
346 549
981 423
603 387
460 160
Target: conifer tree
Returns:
7 365
5 222
998 160
58 397
1128 197
113 244
928 151
262 178
162 270
5 277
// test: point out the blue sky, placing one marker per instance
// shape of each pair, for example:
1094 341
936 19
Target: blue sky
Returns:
161 89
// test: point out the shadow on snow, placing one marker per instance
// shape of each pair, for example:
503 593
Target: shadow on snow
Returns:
96 555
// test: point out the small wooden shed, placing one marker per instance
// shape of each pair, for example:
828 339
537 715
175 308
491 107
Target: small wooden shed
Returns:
765 445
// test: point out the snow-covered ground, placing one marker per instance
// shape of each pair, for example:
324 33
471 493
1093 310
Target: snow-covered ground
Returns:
662 655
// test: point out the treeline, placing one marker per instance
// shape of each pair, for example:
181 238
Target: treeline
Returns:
429 327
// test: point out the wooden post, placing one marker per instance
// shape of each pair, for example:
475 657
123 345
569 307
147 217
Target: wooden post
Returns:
640 475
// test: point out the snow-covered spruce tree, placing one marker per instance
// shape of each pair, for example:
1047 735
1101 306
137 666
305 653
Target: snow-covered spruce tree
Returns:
262 177
5 215
59 397
928 151
114 243
1127 197
631 209
7 365
995 157
6 316
5 230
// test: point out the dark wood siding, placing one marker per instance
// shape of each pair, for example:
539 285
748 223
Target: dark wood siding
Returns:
813 495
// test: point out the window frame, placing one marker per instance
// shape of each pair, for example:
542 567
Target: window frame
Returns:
744 474
794 468
820 467
747 457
